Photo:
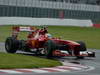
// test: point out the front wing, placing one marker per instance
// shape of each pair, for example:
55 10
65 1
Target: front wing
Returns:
66 53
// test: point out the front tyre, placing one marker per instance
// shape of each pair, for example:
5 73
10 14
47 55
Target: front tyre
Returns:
11 45
49 47
82 48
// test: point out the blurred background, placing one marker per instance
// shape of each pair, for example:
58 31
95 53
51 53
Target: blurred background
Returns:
66 9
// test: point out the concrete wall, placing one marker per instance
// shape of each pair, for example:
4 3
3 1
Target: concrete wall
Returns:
44 21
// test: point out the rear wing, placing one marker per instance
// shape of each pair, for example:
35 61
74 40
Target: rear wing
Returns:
17 29
21 28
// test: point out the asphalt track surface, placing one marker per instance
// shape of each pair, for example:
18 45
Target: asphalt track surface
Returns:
94 63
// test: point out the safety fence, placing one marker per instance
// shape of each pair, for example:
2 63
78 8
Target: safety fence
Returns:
48 9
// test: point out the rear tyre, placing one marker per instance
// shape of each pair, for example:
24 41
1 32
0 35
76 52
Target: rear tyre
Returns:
49 47
82 48
11 45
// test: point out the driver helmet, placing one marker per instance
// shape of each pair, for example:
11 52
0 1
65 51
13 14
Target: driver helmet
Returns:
48 35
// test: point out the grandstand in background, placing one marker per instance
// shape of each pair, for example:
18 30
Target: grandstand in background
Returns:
91 2
74 9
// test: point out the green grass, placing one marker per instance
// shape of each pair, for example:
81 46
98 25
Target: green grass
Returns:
87 34
8 61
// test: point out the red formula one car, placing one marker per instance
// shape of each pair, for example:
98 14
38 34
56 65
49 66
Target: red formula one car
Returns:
39 41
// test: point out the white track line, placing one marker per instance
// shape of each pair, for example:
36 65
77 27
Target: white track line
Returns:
57 69
11 71
70 67
36 70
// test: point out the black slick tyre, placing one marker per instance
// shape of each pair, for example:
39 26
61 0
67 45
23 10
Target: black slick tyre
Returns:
50 46
82 48
11 45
